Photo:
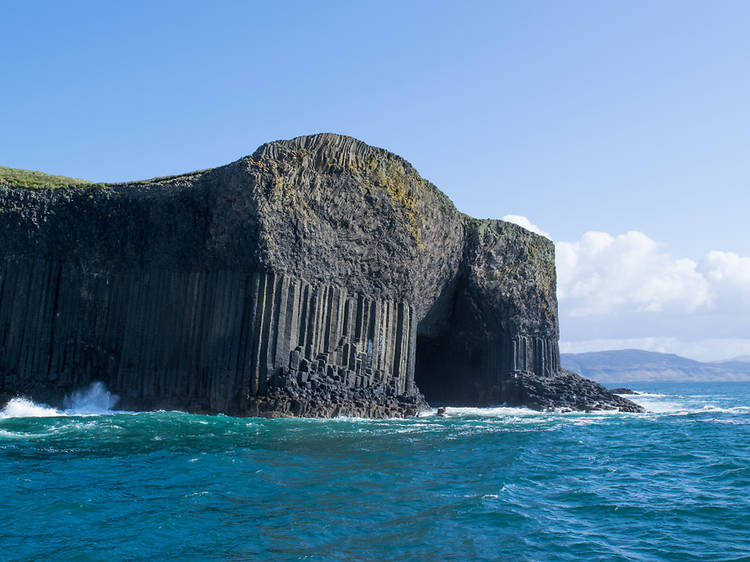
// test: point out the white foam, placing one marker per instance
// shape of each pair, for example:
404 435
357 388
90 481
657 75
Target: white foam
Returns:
719 409
11 435
682 405
660 406
521 413
490 412
23 408
653 403
92 400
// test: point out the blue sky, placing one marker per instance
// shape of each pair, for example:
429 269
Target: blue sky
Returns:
582 116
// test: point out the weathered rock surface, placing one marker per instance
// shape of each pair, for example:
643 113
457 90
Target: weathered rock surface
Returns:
566 390
319 277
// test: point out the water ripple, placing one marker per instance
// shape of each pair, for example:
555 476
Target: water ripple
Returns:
494 483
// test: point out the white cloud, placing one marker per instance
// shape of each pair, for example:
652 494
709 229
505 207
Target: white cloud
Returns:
603 274
729 274
526 223
729 267
628 291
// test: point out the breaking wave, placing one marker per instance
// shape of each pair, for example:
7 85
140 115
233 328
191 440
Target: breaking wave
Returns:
24 408
95 399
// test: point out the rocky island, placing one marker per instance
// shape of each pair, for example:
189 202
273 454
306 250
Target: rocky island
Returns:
318 277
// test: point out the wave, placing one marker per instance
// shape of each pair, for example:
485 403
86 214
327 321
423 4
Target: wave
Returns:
732 410
93 400
653 403
683 405
491 411
24 408
97 400
516 412
488 411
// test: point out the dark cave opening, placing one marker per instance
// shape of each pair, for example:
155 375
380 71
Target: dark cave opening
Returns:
451 370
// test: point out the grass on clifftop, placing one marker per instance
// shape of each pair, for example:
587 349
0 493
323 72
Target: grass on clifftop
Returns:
14 177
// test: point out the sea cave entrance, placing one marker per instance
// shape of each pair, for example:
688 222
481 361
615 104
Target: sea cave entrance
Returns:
450 370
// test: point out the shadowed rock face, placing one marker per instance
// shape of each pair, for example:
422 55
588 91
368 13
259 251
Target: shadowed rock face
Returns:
319 276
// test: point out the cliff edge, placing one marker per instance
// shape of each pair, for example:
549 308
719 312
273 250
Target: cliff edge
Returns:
319 277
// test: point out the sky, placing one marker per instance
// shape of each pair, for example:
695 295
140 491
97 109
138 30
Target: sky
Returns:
619 128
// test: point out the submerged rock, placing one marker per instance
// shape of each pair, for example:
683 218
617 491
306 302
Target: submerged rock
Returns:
318 277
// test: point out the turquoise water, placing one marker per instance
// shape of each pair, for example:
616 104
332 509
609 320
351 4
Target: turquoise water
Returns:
480 484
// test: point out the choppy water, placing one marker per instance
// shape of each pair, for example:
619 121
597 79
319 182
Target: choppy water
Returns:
87 484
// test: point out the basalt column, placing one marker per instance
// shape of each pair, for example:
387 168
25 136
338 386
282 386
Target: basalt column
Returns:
302 333
203 341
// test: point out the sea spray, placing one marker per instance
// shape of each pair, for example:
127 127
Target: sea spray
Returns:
91 400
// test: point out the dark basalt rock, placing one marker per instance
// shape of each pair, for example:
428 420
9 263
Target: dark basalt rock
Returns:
566 390
317 277
622 390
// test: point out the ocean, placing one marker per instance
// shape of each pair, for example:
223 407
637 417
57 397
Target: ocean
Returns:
89 483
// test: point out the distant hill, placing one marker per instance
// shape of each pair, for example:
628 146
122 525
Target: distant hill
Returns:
741 358
638 365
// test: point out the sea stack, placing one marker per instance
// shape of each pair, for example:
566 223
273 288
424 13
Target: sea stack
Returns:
318 277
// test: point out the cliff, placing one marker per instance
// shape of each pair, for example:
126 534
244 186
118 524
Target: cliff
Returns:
319 276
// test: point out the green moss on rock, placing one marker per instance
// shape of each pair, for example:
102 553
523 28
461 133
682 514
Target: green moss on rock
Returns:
30 179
